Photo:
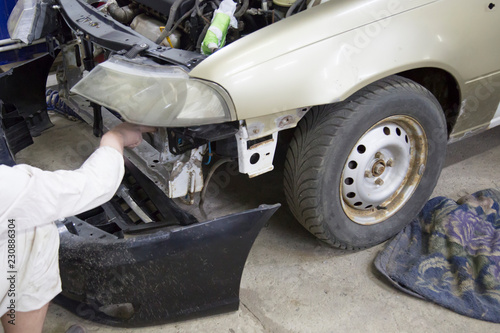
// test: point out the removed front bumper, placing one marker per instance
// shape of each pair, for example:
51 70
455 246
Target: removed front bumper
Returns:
173 274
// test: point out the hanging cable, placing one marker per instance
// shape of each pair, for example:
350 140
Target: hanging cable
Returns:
176 24
209 154
199 10
170 21
242 10
292 8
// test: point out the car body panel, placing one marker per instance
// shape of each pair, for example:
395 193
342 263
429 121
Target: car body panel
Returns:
341 47
480 107
172 274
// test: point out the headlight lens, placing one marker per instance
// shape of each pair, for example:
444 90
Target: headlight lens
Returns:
151 94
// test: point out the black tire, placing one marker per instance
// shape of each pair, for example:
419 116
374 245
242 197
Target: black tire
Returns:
341 191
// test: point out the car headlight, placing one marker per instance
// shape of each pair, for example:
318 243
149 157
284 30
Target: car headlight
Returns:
146 93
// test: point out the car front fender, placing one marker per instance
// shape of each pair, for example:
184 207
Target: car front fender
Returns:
325 54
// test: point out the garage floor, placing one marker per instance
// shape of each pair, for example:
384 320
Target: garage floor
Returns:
292 282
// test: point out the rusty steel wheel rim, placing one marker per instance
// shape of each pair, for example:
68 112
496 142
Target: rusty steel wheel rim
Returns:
383 169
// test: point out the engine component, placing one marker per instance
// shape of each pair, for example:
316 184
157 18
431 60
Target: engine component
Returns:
163 6
152 29
123 14
284 3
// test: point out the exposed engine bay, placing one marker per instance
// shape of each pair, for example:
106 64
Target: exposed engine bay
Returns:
183 24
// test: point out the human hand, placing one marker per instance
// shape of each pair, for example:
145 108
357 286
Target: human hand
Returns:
125 135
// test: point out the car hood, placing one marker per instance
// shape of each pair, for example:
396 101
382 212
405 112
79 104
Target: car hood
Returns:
298 31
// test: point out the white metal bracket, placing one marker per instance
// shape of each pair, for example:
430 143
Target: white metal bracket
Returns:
255 157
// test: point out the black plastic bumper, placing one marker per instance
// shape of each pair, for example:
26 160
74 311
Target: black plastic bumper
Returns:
169 275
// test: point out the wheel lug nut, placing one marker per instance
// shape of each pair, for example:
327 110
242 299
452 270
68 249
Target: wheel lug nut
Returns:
368 174
379 181
378 155
389 162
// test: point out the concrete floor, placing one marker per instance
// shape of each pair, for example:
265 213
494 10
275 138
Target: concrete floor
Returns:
292 282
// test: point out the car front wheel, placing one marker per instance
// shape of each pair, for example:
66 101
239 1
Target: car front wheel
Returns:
358 171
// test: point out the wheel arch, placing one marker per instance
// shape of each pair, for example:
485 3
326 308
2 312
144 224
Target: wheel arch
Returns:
441 83
443 86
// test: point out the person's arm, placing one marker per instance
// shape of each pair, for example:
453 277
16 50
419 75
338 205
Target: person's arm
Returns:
52 195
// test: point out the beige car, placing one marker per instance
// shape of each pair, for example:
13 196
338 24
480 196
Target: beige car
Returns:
372 90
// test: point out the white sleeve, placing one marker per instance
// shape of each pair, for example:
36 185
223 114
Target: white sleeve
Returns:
52 195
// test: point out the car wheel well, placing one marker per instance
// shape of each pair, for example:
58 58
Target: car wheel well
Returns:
443 86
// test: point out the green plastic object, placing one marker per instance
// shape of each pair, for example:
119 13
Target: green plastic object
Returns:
216 34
